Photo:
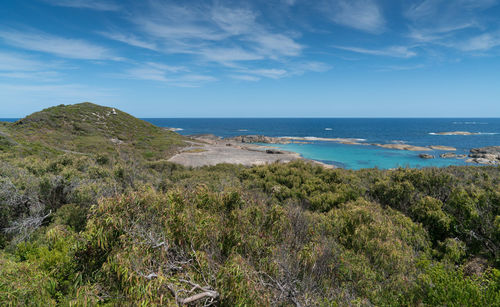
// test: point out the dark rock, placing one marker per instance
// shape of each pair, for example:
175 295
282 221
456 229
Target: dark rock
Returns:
426 156
448 155
273 152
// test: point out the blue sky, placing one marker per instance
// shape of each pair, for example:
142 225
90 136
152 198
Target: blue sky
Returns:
275 58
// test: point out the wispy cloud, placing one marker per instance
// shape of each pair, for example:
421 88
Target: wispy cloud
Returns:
129 39
59 46
17 66
213 32
393 51
364 15
16 62
245 77
57 93
273 73
291 69
98 5
402 67
171 75
228 56
481 42
42 76
454 24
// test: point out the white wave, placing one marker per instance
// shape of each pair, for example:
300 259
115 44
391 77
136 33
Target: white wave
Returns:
242 130
328 129
398 142
175 129
463 133
315 138
470 123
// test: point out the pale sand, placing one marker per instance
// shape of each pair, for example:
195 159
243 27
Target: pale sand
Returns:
217 151
443 148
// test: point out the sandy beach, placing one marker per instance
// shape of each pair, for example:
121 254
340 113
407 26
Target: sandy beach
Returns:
211 150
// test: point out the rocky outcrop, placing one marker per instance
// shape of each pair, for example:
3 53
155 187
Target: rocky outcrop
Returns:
485 155
274 152
207 138
403 147
426 156
443 148
258 139
448 155
452 155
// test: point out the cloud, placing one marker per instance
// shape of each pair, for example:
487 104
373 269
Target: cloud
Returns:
448 10
402 67
171 75
437 33
272 73
275 45
16 62
394 51
245 78
214 32
60 93
86 4
17 66
154 71
301 68
481 42
41 76
59 46
291 69
364 15
233 21
453 24
129 39
228 56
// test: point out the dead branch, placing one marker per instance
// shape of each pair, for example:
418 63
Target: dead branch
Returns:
207 293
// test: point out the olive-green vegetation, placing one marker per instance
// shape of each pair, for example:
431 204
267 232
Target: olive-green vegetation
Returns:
88 221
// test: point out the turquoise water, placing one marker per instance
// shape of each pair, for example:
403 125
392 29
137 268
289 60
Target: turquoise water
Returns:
412 131
360 156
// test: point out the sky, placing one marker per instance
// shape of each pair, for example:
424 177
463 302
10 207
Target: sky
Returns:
260 58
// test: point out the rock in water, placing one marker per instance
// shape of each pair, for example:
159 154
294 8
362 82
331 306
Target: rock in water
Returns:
485 155
448 155
426 156
258 139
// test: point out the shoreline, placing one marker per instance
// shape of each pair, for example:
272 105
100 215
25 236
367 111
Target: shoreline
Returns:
205 150
208 149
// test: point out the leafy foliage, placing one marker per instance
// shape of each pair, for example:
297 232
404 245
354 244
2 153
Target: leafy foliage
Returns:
120 225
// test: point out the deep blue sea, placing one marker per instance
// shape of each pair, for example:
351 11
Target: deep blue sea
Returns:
412 131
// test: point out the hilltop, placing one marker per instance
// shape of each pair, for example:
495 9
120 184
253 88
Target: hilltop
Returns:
90 128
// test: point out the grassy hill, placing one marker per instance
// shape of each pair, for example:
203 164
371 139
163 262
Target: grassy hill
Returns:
89 128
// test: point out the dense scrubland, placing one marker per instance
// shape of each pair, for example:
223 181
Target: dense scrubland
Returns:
92 214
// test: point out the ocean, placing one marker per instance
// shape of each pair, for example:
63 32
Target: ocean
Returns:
412 131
